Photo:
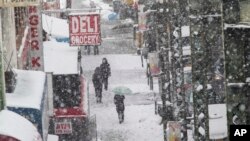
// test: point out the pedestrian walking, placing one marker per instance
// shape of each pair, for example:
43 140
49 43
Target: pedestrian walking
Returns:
119 102
96 50
88 49
97 81
106 72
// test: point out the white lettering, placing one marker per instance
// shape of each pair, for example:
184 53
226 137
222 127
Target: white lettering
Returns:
83 24
85 40
237 133
240 132
89 28
96 24
75 25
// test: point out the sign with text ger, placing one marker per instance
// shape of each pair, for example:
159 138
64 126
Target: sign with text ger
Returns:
84 30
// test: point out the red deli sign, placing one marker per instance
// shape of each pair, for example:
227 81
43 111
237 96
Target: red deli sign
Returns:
84 30
63 128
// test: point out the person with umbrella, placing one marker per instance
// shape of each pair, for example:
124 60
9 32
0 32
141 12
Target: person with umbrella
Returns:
106 72
97 81
119 101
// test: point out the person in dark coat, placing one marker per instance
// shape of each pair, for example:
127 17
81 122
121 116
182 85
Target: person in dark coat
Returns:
97 81
96 50
119 102
106 72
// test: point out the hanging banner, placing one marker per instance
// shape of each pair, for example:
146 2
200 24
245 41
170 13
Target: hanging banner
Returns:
18 3
36 50
153 58
174 131
142 21
84 29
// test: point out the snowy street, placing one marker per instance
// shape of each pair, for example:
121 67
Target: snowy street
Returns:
141 124
124 70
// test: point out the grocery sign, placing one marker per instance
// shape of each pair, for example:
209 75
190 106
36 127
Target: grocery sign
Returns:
63 128
84 29
18 3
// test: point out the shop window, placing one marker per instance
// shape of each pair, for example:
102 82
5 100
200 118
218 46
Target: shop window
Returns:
245 10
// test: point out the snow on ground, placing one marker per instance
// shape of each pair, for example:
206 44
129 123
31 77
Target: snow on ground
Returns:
117 62
140 124
126 70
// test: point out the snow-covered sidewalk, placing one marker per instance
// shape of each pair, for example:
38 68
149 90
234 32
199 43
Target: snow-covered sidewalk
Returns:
141 124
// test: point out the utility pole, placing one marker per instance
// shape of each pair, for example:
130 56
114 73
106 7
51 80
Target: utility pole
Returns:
206 49
164 44
2 80
178 19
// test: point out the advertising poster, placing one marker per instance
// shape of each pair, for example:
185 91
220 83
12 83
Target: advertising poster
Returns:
154 63
174 131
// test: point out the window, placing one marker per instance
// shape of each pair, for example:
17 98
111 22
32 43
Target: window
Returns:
66 90
245 10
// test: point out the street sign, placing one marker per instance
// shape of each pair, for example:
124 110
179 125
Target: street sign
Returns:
18 3
84 29
63 128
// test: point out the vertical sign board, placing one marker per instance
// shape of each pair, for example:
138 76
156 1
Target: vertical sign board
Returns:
153 58
36 50
84 29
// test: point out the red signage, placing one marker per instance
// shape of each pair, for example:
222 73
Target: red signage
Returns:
84 30
36 51
63 128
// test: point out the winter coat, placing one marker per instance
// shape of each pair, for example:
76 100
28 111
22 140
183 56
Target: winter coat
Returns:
105 69
97 78
119 102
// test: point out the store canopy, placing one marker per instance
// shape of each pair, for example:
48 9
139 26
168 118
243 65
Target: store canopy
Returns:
16 126
57 28
60 58
29 90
